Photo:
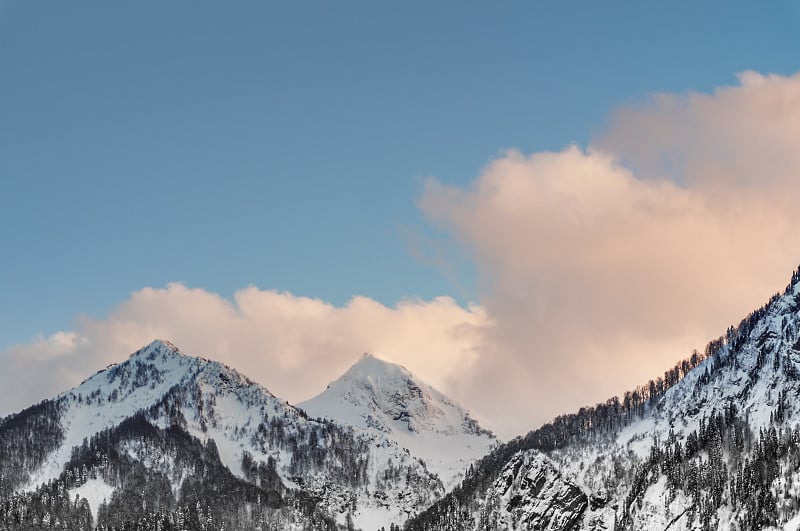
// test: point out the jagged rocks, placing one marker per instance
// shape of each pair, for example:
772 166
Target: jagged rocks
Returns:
534 495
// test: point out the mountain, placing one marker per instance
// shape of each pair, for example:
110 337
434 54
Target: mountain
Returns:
388 401
714 443
169 441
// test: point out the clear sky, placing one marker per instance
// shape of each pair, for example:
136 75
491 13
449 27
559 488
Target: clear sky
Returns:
286 145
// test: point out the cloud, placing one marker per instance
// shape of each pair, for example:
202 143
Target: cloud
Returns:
598 268
601 267
292 345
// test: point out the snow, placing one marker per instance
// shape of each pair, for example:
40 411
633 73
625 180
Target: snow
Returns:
793 524
239 403
95 490
658 508
388 401
751 389
734 378
84 417
411 425
226 407
370 517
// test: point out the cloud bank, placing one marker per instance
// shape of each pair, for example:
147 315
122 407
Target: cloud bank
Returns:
599 267
292 345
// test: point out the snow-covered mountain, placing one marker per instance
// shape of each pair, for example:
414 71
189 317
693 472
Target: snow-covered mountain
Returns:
387 401
712 444
162 421
167 441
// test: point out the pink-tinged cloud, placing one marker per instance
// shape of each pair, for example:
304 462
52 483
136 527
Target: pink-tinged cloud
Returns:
602 267
292 345
598 269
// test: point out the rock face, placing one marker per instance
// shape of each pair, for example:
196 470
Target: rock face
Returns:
534 495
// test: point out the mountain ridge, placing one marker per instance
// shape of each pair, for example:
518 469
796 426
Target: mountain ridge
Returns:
359 478
714 444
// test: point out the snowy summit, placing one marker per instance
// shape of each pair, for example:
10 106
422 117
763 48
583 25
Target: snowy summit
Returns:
386 399
172 422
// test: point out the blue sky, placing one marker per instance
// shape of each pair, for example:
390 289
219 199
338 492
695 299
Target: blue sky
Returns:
285 145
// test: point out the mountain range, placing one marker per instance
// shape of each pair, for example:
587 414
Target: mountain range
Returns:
168 441
222 451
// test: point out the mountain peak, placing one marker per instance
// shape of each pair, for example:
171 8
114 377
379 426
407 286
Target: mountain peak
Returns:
370 368
167 415
157 346
386 399
387 396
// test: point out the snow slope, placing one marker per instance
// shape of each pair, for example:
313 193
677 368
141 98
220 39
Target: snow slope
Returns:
387 400
376 482
755 368
643 462
95 491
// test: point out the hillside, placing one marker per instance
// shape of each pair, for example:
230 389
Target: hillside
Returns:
712 444
211 444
